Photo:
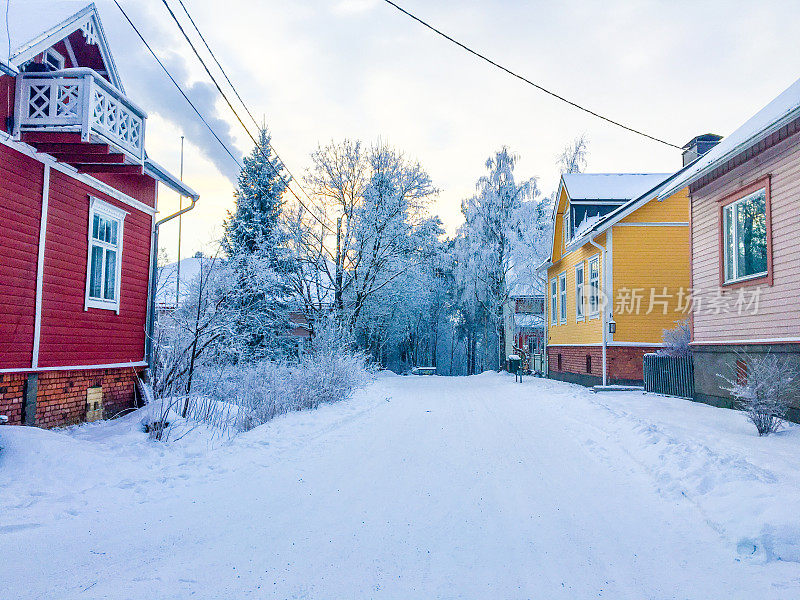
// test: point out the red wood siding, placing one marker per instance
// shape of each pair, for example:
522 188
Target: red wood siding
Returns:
7 87
779 305
141 187
21 180
70 335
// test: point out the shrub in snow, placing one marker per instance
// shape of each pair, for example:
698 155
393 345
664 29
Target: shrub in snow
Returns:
244 395
676 340
762 386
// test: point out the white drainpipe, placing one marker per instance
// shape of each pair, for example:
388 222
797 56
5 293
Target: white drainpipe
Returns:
603 310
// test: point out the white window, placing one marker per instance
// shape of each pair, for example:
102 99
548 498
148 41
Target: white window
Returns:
744 226
567 231
579 292
53 59
104 268
594 286
562 292
553 301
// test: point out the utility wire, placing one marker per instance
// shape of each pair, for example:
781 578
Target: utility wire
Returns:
241 100
526 80
241 122
177 85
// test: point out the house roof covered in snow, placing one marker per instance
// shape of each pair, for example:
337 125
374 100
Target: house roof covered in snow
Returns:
592 227
775 115
35 25
609 186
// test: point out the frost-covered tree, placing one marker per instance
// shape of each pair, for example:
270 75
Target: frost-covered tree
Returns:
257 254
492 227
363 232
574 156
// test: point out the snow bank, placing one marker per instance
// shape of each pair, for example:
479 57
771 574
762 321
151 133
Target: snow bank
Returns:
746 486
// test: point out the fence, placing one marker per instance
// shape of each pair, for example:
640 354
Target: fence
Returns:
669 375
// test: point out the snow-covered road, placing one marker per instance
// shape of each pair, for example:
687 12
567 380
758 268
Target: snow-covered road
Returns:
421 487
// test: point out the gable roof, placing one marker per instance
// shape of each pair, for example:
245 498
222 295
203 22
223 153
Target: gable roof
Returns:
619 213
775 115
609 186
27 37
617 187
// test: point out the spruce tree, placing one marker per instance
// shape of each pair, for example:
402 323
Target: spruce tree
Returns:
255 243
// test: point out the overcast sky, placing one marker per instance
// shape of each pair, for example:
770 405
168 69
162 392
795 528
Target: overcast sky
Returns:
321 70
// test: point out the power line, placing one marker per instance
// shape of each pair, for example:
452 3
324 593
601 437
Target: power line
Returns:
177 85
241 122
241 100
224 74
526 80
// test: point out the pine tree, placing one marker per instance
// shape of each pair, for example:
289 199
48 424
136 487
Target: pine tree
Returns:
256 245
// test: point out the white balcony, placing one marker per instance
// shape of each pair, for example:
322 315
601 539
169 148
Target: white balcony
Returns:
104 128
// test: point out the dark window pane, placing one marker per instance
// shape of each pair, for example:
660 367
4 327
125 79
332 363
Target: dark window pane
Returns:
96 272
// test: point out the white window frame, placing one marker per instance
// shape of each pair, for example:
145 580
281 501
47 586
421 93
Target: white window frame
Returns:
107 211
553 301
594 288
725 246
565 228
57 56
580 287
562 298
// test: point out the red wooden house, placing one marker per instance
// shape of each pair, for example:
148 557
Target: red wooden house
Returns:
78 199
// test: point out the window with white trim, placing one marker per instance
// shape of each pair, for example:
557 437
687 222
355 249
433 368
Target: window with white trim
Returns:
104 268
594 286
53 59
553 301
744 226
562 292
579 292
566 231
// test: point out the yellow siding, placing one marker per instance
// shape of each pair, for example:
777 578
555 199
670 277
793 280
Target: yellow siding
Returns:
558 226
645 258
674 209
573 331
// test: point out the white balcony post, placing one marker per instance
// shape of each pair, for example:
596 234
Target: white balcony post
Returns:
20 91
86 106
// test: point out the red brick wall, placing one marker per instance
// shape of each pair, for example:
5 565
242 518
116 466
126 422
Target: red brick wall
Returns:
624 363
61 395
11 389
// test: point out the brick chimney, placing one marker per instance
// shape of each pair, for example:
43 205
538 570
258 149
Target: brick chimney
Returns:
698 146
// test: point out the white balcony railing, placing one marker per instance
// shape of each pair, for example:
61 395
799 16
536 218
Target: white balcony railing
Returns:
79 100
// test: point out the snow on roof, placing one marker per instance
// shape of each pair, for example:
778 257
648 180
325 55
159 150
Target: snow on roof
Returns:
525 321
166 290
773 116
31 19
610 186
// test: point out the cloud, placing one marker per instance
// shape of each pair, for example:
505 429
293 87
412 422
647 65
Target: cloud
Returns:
354 6
149 86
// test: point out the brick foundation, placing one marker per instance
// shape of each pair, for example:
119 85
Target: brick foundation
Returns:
61 395
624 364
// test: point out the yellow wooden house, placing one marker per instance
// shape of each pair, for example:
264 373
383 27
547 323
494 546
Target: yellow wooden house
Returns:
618 274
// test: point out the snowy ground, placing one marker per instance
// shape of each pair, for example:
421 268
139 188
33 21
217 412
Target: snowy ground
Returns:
420 487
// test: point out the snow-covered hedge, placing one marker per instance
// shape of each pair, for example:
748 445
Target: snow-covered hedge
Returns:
261 391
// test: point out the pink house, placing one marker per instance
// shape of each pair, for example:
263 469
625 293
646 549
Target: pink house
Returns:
745 247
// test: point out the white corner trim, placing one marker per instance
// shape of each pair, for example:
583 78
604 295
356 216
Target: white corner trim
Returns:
123 365
37 322
46 159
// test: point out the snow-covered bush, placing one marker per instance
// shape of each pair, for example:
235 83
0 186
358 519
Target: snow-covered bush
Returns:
265 389
676 340
762 386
